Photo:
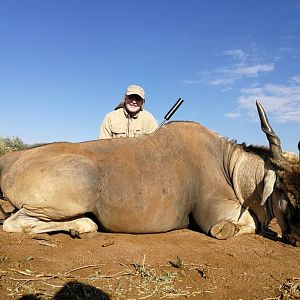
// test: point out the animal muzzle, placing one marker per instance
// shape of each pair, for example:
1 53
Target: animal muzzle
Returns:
289 238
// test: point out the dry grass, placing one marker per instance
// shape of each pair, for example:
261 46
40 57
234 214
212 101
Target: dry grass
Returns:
130 281
290 289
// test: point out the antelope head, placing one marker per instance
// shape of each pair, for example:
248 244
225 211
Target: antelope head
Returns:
286 185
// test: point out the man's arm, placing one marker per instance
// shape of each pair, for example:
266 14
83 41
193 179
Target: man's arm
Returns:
151 123
105 131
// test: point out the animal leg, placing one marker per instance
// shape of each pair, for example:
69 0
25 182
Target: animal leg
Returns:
22 222
225 229
3 214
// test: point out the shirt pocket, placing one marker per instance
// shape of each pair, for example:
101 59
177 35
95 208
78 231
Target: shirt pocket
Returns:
118 132
137 132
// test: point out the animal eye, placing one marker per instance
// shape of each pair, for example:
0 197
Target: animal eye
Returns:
279 187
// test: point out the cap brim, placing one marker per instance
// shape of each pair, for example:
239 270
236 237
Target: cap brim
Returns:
134 93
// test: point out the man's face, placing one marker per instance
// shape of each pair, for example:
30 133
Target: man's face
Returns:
133 104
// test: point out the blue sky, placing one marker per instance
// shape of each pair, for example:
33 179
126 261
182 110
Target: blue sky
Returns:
65 63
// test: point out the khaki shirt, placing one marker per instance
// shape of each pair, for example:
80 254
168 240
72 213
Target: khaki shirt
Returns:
118 123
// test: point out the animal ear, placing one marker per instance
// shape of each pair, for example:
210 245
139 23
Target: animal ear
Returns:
269 182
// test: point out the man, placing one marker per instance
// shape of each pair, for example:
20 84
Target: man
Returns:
129 119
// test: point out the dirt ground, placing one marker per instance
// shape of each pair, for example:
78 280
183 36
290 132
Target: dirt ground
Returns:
174 265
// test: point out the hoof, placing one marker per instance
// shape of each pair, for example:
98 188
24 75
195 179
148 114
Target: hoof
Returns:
74 233
223 230
85 235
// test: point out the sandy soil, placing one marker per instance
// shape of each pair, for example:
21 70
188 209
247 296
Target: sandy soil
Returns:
175 265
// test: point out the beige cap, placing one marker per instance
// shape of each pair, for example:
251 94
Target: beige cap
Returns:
135 90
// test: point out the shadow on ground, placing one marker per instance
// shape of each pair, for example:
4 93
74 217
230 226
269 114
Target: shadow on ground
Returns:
73 290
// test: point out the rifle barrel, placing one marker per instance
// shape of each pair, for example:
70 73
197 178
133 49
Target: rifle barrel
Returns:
171 112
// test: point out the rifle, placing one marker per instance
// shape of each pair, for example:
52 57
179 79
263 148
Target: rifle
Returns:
171 112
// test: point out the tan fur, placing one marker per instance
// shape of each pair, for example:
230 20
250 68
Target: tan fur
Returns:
291 157
139 185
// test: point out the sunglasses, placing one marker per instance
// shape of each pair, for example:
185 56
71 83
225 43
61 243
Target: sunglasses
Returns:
137 98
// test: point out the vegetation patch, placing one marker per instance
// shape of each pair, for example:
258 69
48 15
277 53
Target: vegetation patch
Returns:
9 144
125 281
289 290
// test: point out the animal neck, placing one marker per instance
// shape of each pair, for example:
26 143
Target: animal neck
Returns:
246 171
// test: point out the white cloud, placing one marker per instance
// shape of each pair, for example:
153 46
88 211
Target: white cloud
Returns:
187 81
237 72
222 81
287 50
296 79
236 53
233 115
226 89
280 101
242 65
253 70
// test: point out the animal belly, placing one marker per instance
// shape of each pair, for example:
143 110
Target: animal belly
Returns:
143 221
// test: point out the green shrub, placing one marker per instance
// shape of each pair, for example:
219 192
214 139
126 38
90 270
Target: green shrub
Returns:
9 144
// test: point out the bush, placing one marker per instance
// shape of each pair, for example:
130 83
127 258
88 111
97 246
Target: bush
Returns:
8 144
